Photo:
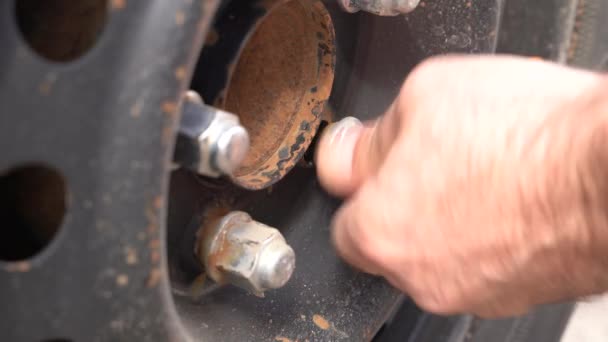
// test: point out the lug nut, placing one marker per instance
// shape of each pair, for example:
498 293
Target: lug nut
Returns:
379 7
210 141
238 250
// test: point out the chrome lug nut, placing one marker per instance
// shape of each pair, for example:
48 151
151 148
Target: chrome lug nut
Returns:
238 250
379 7
210 141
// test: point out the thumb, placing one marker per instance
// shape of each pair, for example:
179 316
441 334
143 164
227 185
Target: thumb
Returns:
349 151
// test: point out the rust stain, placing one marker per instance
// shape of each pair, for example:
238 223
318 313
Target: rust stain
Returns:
282 339
45 87
130 255
154 256
153 277
158 202
20 266
169 107
281 108
135 110
180 73
211 218
118 4
212 38
321 322
180 18
122 280
150 212
154 244
166 134
152 221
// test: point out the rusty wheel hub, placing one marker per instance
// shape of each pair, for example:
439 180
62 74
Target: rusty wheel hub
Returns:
277 81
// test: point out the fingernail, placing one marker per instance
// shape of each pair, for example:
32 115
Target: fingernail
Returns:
344 132
334 155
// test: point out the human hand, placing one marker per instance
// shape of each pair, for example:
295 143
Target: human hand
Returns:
482 189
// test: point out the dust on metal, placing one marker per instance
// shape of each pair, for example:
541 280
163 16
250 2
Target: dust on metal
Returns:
379 7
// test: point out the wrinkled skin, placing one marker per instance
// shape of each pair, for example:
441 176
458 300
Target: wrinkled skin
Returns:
483 189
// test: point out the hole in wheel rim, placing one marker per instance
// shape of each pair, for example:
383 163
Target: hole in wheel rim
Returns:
61 30
32 207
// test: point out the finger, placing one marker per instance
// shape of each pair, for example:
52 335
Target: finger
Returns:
334 155
369 230
348 246
349 152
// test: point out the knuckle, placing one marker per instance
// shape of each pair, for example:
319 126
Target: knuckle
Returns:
372 251
427 72
443 302
353 230
423 79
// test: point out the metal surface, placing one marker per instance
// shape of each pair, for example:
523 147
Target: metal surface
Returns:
379 7
325 300
210 141
547 25
240 251
272 64
588 46
107 123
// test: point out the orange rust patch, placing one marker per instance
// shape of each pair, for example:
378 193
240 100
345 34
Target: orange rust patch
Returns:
152 220
122 280
211 218
130 255
279 86
154 256
20 266
180 73
321 322
158 202
155 243
118 4
166 135
282 339
153 277
168 107
45 87
136 109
